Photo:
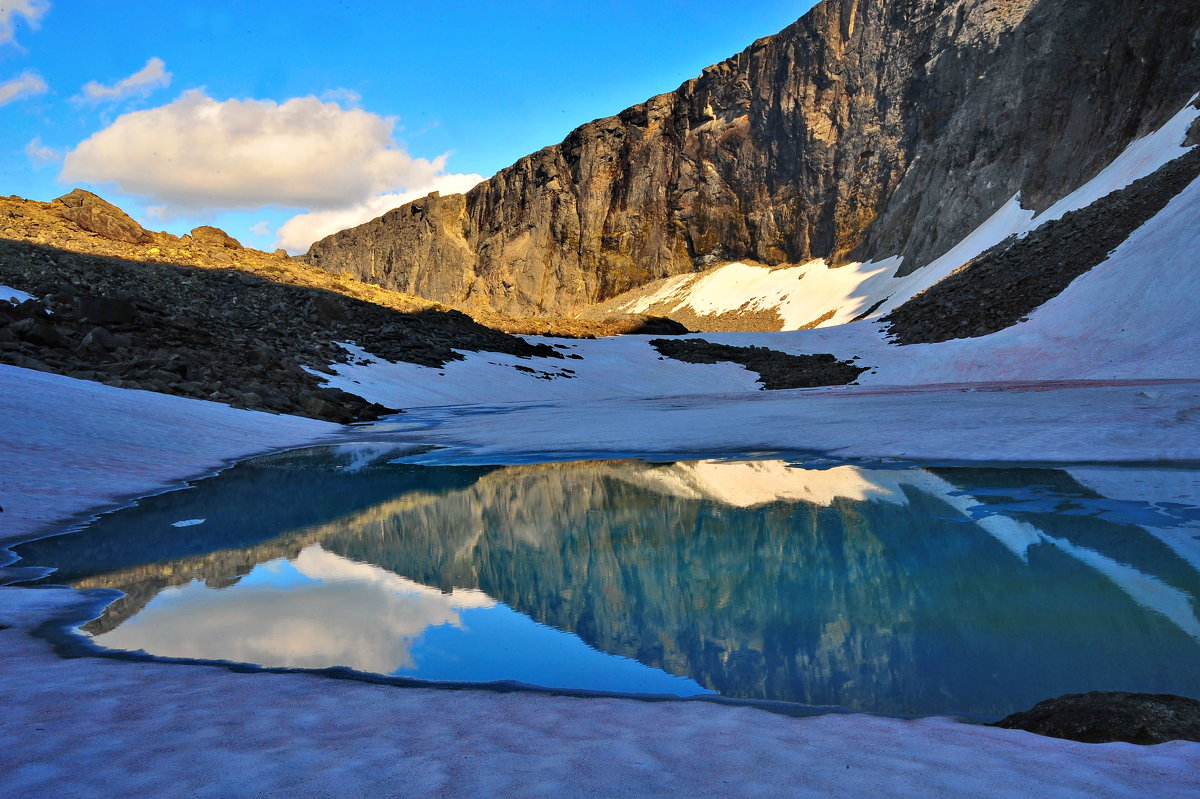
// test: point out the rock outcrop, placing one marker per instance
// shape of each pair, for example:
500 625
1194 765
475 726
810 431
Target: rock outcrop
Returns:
96 215
214 236
868 128
1106 716
201 318
776 370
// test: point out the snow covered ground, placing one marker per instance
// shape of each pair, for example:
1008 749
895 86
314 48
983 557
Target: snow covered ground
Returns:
1107 371
71 446
813 294
87 727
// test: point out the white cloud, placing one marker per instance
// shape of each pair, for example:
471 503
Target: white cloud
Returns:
198 154
40 154
296 234
27 85
31 10
343 96
141 83
262 228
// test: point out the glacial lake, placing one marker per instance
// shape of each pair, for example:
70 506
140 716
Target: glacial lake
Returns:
888 589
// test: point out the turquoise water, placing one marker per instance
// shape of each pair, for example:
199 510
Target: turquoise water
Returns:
885 589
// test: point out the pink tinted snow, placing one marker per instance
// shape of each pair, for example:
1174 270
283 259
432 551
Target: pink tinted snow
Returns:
86 728
70 446
92 727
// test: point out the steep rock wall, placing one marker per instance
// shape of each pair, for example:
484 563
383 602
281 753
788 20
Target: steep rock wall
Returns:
869 128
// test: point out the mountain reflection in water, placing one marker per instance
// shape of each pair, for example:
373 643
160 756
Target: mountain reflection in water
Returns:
911 591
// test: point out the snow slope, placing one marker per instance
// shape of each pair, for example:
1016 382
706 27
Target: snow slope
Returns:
1130 318
813 294
70 446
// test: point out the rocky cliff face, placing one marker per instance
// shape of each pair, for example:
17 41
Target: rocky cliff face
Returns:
869 128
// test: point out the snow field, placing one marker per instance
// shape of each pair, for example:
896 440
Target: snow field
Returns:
806 293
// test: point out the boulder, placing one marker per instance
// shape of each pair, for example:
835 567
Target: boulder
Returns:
215 237
99 216
98 339
1106 716
35 331
329 308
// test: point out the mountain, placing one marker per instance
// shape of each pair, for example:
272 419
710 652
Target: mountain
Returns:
866 130
199 315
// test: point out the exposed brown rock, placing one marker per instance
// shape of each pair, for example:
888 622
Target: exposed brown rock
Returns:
214 236
100 217
869 128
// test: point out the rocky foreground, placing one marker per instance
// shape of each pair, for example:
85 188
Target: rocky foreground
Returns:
200 316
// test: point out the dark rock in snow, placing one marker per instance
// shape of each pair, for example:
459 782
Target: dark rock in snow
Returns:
1106 716
776 370
660 326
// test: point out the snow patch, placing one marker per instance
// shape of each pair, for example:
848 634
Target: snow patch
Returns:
815 295
9 294
69 446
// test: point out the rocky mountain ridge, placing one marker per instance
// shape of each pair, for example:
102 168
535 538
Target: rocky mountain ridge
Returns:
867 129
199 316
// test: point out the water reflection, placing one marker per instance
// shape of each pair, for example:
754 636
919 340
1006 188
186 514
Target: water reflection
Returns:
892 590
319 609
312 611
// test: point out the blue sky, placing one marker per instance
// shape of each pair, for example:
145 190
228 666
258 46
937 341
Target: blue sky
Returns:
283 121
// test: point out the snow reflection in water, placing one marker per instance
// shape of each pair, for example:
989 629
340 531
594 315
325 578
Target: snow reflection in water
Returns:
899 590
